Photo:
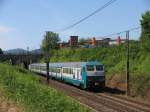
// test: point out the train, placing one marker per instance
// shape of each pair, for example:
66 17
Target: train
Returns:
82 74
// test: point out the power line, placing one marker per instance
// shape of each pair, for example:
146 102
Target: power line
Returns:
109 35
132 29
93 13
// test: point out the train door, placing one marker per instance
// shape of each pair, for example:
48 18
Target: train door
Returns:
79 74
56 72
50 71
74 74
59 73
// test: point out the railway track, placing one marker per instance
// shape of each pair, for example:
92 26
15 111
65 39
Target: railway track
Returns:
101 102
139 106
145 104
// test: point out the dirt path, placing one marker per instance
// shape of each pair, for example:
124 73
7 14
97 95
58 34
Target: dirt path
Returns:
7 105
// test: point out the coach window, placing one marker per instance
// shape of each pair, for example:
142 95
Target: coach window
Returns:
68 70
52 69
55 69
35 67
65 70
71 71
99 67
90 68
43 68
58 70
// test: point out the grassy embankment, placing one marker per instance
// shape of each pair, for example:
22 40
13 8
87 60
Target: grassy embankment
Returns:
114 59
29 93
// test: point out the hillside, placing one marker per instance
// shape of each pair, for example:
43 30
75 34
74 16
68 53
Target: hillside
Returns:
114 59
15 51
27 90
22 51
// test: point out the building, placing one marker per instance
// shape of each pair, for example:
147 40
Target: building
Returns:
73 42
117 41
91 42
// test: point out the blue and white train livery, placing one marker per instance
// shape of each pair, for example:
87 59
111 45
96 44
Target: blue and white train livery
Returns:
83 74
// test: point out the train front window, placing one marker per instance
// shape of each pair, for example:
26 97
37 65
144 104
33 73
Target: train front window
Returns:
99 68
90 68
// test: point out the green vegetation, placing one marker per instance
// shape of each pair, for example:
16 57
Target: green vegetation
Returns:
27 89
145 37
114 59
49 42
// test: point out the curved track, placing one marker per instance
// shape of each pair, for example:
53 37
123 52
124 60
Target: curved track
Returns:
137 106
101 102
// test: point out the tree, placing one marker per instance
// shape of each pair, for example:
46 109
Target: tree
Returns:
49 42
82 41
145 35
1 52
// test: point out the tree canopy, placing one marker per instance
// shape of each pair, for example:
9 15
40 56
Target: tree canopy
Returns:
50 41
145 36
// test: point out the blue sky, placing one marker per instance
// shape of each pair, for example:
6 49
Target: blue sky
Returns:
24 22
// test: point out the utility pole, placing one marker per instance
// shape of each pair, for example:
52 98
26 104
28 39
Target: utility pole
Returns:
28 57
27 49
47 67
127 63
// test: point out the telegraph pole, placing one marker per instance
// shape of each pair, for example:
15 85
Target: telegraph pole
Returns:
127 63
47 67
28 57
27 50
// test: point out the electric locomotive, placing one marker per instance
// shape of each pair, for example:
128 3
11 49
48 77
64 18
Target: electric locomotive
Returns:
83 74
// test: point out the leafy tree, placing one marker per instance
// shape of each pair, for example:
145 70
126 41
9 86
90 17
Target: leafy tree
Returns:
82 41
1 52
145 36
49 42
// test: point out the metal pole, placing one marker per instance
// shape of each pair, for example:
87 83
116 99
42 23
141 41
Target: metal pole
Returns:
47 67
28 57
127 63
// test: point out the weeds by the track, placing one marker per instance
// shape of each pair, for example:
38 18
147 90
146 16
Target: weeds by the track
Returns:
25 88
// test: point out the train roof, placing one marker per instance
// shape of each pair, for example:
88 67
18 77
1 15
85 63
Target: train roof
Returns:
70 64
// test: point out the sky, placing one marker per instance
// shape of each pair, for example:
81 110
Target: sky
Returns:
23 22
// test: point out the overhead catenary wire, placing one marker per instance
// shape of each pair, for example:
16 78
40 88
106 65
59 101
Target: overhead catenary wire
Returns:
113 34
88 16
118 33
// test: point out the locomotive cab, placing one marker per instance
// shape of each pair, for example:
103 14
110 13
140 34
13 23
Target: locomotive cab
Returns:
95 75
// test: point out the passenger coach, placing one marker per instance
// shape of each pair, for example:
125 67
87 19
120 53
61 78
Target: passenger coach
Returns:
83 74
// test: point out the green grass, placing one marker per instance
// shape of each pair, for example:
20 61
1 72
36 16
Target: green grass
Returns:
26 89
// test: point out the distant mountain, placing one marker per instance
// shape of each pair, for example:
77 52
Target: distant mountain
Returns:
16 51
22 51
36 51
